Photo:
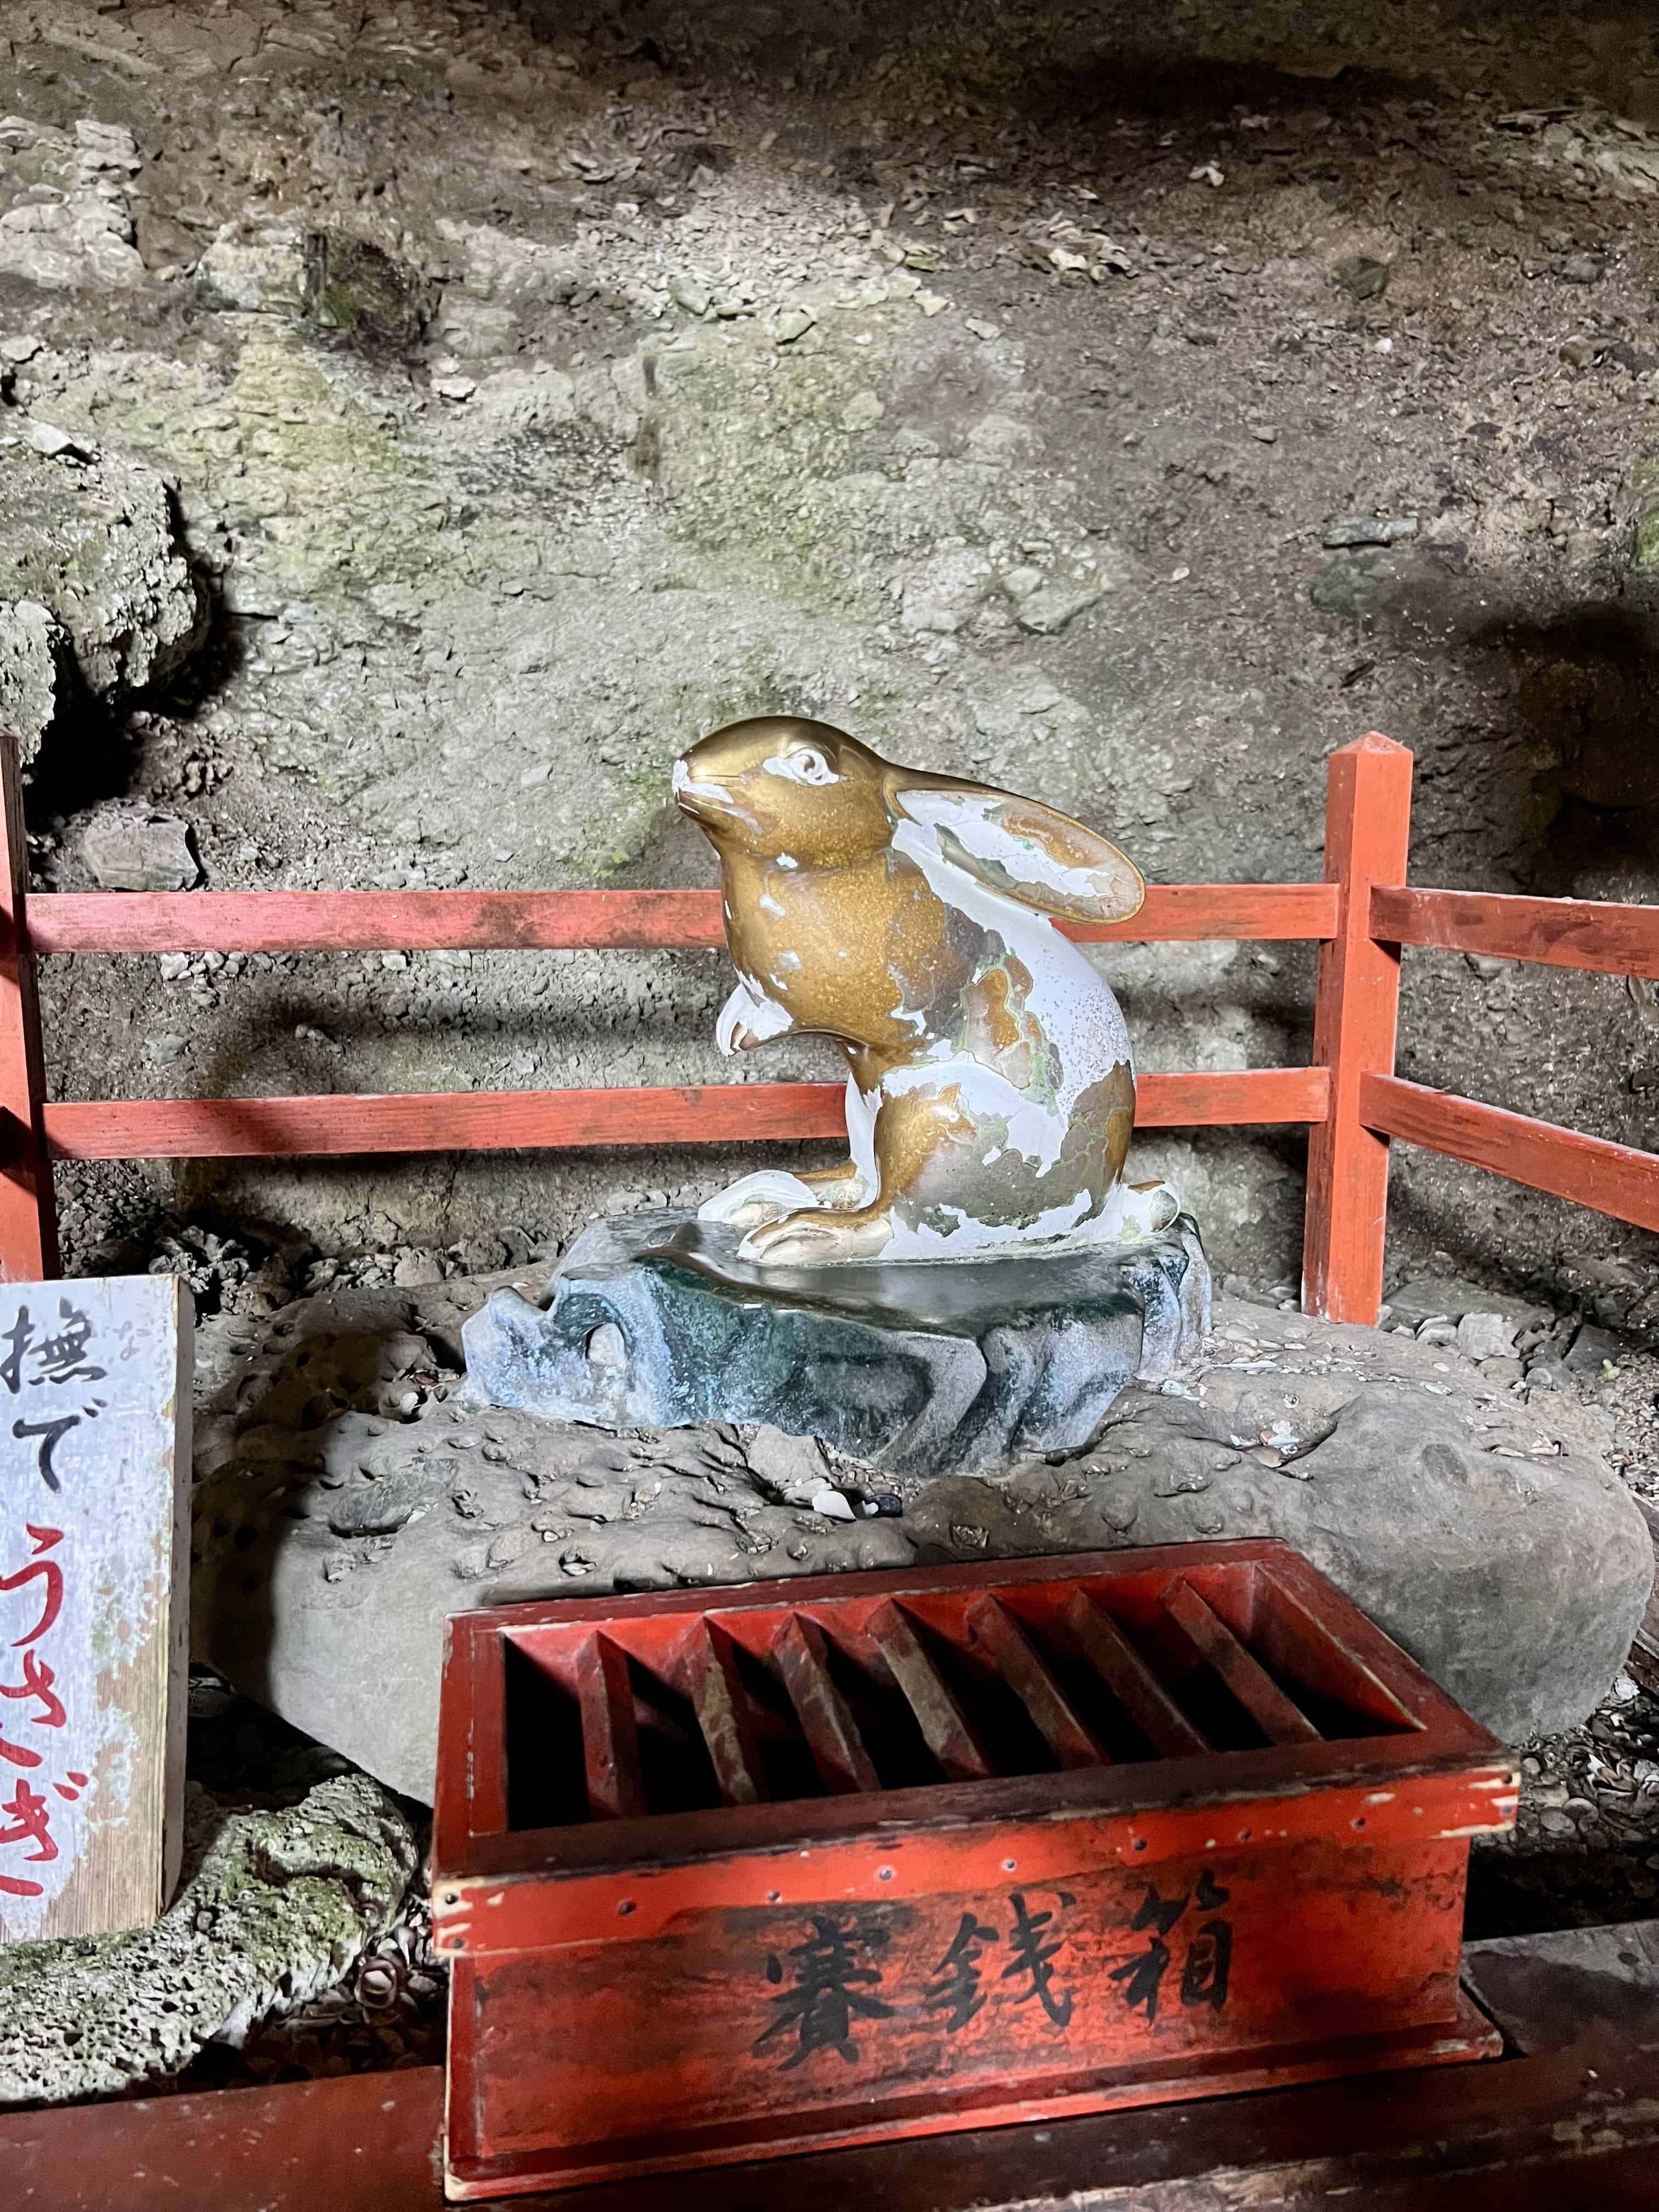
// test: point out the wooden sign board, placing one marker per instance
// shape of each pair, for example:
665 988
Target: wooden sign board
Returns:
94 1474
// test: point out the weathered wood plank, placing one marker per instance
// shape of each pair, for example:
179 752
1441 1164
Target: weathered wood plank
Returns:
377 921
1189 913
826 1719
991 1625
28 1213
724 1713
941 1718
1613 1179
1130 1680
95 1476
1600 936
1226 1096
1298 1644
444 1121
526 922
353 2142
1535 2134
1280 1720
610 1744
1367 828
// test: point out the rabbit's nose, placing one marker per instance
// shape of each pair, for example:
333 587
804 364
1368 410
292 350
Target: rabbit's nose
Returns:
695 796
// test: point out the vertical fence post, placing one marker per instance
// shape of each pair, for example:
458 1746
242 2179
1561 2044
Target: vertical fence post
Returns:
1367 829
28 1210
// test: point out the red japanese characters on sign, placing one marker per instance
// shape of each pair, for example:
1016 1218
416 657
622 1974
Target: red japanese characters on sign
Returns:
43 1354
26 1838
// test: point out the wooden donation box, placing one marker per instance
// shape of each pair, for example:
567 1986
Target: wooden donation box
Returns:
728 1874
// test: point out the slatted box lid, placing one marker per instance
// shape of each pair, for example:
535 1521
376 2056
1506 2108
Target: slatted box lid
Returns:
584 1739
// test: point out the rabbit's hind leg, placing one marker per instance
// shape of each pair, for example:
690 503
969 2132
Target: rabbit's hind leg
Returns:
838 1187
766 1195
819 1239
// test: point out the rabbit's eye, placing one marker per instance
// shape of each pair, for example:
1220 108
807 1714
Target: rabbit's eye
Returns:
802 764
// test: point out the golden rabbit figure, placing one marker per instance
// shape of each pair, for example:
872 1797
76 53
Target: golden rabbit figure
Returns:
990 1093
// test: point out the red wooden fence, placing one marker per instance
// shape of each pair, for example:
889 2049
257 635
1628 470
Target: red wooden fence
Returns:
1350 1099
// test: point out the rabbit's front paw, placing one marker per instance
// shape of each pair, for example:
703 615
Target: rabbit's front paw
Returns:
749 1018
818 1239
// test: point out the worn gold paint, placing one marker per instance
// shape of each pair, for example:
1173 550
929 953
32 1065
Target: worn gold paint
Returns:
841 933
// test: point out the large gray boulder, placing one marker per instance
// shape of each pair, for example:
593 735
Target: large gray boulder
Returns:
326 1563
1487 1537
350 1500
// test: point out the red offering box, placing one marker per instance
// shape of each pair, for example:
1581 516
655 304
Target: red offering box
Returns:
733 1874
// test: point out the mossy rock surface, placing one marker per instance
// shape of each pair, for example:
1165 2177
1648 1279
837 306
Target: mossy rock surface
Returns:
353 287
1646 482
275 1906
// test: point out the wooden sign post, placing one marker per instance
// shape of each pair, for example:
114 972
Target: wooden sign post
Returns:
94 1473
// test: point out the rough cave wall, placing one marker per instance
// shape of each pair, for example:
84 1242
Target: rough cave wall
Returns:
421 421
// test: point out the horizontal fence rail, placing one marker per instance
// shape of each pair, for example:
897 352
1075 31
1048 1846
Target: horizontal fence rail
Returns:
1605 939
1600 937
551 1121
1614 1179
541 921
374 922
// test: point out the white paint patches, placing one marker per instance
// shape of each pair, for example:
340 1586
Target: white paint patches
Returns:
1033 1131
687 786
1134 1210
1068 998
860 1111
926 1242
972 819
716 796
768 904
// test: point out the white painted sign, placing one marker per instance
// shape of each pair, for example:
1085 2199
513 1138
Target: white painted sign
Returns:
94 1474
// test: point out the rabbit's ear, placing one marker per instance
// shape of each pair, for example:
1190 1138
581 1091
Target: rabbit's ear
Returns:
1021 848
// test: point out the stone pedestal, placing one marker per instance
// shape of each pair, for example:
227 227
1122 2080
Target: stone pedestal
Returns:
654 1322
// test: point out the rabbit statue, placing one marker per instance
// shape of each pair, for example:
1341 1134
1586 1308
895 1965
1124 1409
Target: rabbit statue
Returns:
990 1093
